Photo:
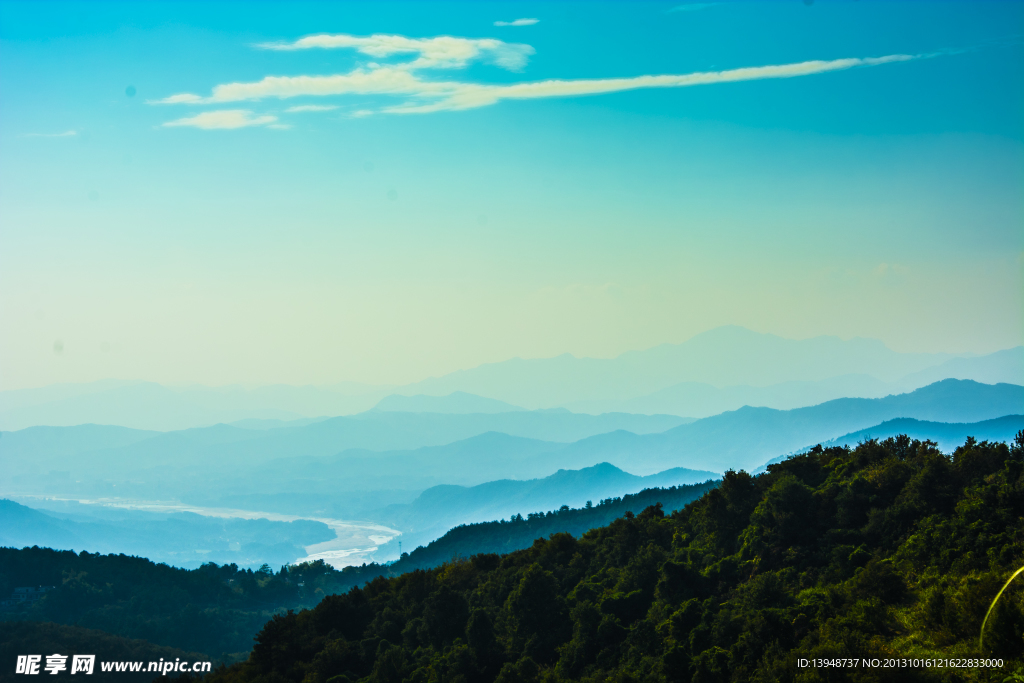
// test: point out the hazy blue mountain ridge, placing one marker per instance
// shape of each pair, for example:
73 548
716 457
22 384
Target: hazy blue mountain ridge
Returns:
224 449
948 435
440 508
386 451
697 399
747 437
457 402
725 356
743 365
1005 366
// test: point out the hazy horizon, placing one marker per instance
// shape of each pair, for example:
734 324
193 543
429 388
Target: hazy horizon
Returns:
420 379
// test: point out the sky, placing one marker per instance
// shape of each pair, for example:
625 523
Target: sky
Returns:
262 193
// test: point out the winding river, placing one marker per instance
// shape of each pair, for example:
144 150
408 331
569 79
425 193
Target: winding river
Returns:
354 542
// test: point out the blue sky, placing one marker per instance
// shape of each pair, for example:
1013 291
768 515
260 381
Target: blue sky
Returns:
445 196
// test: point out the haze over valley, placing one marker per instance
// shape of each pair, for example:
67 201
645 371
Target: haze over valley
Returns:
506 439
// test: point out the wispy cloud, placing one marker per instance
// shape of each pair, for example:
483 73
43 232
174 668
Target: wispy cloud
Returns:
310 107
65 134
691 7
472 96
224 119
517 22
442 52
425 96
413 82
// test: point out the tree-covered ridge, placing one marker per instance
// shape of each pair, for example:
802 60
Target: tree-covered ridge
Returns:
29 637
213 610
892 549
505 536
217 610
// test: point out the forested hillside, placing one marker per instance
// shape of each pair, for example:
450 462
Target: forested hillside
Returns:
519 532
213 610
217 610
889 550
21 638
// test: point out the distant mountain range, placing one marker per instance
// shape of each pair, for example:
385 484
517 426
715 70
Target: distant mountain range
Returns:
948 436
1005 366
747 437
381 450
723 357
101 452
508 534
722 369
440 508
457 402
426 490
699 400
187 540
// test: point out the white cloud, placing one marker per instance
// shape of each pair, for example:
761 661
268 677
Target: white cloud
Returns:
310 107
470 96
386 80
184 98
442 52
424 96
419 94
517 22
223 119
65 134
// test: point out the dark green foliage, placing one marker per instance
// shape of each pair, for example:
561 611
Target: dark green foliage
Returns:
213 610
29 637
218 610
888 550
504 536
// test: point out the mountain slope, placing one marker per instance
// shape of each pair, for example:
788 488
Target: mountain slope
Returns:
458 402
440 508
724 356
507 535
1005 366
747 437
212 610
306 460
22 526
20 637
891 552
696 399
948 435
91 451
